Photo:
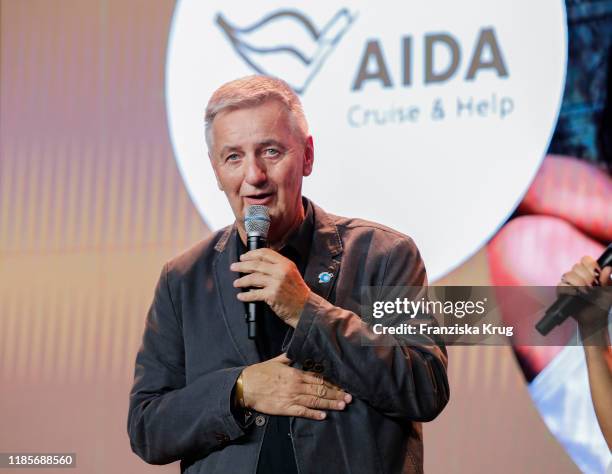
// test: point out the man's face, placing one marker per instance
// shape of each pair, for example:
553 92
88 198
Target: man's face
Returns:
259 159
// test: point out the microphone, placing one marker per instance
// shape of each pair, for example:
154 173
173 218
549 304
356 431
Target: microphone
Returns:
257 225
566 305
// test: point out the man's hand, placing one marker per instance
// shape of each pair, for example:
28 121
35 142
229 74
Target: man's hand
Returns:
274 388
584 275
275 280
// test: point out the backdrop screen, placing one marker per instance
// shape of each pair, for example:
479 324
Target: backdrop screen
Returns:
490 144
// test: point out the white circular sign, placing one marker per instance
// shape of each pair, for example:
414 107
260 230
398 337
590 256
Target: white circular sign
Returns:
429 117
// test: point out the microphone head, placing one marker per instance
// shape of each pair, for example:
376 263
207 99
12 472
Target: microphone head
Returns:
257 221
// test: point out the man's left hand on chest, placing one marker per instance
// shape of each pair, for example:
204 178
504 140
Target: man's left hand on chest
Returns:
273 279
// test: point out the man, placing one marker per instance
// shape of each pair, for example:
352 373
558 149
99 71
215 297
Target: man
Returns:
307 395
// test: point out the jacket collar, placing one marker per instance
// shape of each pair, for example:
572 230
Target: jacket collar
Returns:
324 262
327 237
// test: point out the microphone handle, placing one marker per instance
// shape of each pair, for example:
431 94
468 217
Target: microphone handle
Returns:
255 309
567 305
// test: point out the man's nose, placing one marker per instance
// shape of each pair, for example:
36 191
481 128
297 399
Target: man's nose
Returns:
255 171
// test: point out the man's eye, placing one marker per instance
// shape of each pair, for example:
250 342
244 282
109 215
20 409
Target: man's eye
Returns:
232 157
271 152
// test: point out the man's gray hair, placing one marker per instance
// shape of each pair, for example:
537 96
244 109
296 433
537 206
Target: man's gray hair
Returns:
251 91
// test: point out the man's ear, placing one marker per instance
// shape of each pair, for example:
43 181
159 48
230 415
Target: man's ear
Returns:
308 156
215 171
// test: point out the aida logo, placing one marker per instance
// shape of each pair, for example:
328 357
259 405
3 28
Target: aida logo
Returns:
417 109
287 44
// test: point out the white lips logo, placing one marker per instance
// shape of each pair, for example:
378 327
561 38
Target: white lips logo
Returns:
258 44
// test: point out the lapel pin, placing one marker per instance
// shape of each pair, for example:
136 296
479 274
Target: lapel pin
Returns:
325 277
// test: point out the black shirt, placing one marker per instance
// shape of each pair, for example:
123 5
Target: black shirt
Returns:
276 455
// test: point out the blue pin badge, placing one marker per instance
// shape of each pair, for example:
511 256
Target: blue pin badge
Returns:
325 277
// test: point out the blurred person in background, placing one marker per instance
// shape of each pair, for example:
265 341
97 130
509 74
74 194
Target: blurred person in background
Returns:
566 213
594 334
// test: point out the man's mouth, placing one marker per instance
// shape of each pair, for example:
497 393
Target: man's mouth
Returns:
259 198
